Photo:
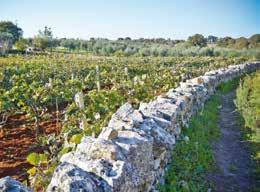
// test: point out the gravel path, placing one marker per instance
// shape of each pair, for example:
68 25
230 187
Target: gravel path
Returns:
231 153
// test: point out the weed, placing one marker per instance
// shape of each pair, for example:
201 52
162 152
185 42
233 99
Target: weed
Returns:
248 104
192 159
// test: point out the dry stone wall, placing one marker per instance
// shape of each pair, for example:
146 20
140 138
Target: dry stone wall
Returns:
132 152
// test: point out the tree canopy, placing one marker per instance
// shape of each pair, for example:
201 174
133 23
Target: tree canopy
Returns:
241 43
9 27
254 40
197 40
21 44
44 39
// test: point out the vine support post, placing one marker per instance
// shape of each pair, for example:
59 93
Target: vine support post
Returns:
37 126
79 100
126 72
57 115
98 78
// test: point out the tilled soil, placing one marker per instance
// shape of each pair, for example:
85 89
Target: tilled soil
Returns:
17 140
231 152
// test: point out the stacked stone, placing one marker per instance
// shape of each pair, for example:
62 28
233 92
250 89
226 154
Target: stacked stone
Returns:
132 153
8 184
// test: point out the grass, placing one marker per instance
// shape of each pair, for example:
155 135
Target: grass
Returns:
248 104
192 159
228 86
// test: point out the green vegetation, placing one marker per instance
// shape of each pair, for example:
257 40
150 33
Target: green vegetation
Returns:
35 84
9 27
228 86
195 45
193 155
9 34
38 85
197 40
21 44
39 174
44 39
43 80
248 103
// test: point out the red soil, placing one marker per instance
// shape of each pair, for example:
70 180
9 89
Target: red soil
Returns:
17 140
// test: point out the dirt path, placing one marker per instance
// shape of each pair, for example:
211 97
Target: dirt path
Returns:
231 153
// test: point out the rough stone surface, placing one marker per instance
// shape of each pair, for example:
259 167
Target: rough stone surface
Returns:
131 154
125 117
8 184
108 133
124 163
69 177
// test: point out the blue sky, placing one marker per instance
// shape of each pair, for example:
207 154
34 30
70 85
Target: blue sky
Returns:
176 19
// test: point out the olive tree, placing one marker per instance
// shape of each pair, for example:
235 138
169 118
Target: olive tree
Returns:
197 40
11 28
44 39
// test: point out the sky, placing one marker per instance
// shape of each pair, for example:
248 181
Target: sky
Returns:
175 19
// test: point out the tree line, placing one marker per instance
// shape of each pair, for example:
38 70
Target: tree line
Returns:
11 38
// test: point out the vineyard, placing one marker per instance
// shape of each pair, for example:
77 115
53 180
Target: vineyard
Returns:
129 96
49 102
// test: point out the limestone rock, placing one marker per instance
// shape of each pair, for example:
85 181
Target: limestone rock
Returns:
163 142
97 148
164 111
8 184
125 117
138 151
108 133
70 178
113 161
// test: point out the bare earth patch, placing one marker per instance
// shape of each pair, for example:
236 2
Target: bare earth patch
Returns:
231 152
17 140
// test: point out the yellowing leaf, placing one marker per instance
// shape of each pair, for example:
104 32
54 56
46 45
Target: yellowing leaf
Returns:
32 171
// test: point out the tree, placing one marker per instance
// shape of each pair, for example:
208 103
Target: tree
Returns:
46 32
68 43
197 40
44 39
226 42
56 42
9 27
107 50
21 44
212 39
144 52
83 44
241 43
6 42
40 42
254 40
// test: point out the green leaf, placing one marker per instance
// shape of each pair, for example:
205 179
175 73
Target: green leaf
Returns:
43 158
76 138
33 158
65 150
